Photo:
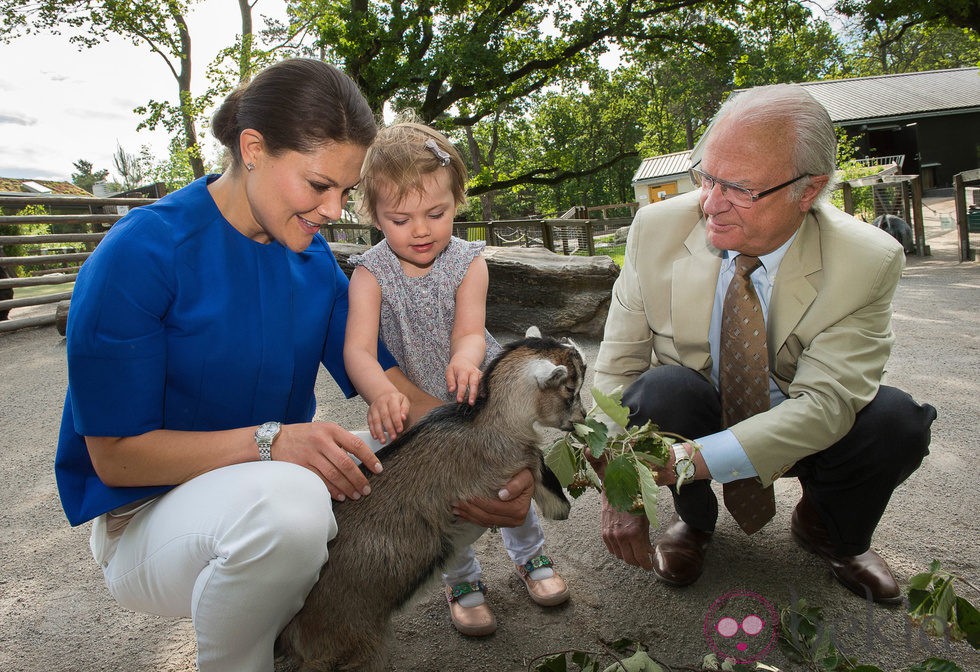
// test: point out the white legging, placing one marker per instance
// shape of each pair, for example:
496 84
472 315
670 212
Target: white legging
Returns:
236 549
521 543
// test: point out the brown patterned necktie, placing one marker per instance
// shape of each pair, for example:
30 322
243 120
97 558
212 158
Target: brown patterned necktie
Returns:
743 375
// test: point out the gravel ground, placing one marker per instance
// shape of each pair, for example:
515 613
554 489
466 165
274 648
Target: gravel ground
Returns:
55 613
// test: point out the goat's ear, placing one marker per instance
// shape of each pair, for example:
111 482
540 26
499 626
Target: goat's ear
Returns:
572 344
548 374
532 332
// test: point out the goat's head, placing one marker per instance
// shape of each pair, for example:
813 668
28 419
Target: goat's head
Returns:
541 379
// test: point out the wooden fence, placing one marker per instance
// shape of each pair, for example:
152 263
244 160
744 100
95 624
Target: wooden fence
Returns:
564 236
83 222
909 190
967 215
56 256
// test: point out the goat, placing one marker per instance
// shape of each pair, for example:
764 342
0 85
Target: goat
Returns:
898 229
394 541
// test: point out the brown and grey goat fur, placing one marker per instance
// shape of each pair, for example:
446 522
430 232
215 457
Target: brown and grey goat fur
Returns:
395 540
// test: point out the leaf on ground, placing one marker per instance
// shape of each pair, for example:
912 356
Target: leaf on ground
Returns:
638 662
552 663
968 620
935 665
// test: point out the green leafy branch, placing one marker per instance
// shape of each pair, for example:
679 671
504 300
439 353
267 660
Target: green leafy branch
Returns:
631 457
938 610
587 661
807 641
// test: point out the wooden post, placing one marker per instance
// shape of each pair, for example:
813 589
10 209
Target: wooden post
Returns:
61 316
962 223
547 237
589 240
920 233
848 198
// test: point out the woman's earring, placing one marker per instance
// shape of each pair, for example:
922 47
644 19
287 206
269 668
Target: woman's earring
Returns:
250 166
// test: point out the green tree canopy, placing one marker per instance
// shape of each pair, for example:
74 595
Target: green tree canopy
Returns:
960 13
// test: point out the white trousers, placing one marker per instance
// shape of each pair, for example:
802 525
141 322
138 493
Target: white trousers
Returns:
522 543
236 549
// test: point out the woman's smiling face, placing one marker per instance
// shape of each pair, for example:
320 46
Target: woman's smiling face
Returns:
292 194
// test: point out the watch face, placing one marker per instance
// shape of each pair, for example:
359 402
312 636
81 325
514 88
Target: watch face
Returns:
684 469
267 431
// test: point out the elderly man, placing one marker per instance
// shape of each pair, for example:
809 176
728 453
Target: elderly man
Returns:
755 319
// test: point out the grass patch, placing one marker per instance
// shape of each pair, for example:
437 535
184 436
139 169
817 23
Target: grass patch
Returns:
617 252
41 290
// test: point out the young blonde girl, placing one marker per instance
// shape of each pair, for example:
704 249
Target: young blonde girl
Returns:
424 292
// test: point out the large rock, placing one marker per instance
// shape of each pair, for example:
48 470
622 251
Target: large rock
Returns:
534 286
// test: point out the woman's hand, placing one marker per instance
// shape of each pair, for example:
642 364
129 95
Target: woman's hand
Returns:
463 378
326 448
509 510
387 415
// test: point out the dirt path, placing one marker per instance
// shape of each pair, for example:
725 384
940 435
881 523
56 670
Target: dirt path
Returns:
56 615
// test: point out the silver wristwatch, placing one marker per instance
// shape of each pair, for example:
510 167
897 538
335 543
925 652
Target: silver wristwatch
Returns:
264 436
684 467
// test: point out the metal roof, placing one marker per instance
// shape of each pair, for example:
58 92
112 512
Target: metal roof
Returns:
887 97
880 99
664 165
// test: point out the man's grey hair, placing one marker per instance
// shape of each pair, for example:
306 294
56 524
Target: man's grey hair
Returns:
815 149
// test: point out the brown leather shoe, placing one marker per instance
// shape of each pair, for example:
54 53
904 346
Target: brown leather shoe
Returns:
866 574
678 556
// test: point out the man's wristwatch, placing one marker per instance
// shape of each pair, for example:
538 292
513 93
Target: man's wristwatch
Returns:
684 467
264 436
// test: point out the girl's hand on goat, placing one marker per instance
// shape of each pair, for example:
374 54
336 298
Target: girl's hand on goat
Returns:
387 415
509 510
326 448
463 378
627 536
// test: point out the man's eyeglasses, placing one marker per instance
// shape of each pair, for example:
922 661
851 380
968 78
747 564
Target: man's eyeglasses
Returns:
734 194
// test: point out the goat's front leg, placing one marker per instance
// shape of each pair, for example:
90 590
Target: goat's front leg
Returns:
550 496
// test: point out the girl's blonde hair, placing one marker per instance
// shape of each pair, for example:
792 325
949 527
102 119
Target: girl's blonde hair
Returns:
400 158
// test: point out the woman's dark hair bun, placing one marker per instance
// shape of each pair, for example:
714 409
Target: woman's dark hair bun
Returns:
298 104
224 123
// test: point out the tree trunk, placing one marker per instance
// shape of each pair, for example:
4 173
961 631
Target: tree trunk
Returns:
486 199
187 99
245 55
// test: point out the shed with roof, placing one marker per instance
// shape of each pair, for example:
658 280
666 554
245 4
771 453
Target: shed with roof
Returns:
932 119
928 123
660 177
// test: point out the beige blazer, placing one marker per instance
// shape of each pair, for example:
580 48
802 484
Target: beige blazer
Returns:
829 327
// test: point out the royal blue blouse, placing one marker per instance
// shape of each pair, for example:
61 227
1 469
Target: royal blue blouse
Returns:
178 321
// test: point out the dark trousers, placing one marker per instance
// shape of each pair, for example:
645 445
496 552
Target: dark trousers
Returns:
849 483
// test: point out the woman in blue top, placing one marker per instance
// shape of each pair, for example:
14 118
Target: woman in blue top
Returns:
196 331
